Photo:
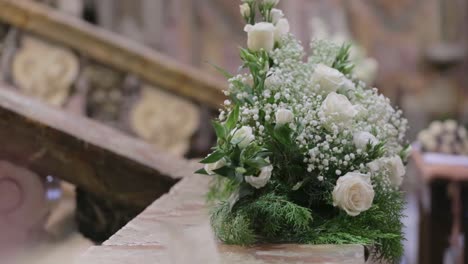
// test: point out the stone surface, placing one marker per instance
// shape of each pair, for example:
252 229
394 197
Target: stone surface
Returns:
176 225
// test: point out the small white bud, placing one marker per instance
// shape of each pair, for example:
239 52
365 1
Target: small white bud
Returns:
281 29
245 10
276 15
284 116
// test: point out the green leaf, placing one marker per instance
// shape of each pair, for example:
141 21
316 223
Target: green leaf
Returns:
219 130
241 193
250 151
237 140
226 172
213 157
264 153
297 186
232 118
405 153
226 74
282 134
342 61
257 163
201 171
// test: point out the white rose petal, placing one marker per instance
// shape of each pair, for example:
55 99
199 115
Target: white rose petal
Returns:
366 70
353 193
281 28
435 128
461 132
209 168
242 137
338 109
374 166
245 10
284 116
329 79
276 15
361 139
262 179
450 125
348 85
396 170
260 36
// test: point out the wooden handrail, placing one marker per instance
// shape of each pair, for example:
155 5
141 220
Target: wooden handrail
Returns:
95 157
113 50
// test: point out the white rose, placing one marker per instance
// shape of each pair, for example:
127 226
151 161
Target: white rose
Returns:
262 179
361 139
329 79
353 193
281 28
435 128
374 165
276 15
337 108
349 85
450 125
242 137
366 70
396 170
245 10
284 116
209 168
260 36
461 132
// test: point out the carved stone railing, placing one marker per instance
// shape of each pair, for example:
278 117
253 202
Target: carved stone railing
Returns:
70 63
83 69
112 50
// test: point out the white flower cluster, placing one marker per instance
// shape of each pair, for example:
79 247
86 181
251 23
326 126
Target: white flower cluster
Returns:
365 67
339 123
445 137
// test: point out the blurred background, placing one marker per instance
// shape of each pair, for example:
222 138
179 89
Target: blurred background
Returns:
414 51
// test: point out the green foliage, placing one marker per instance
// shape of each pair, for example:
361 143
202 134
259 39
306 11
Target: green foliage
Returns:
225 73
342 62
270 217
213 157
221 189
231 122
277 217
232 228
258 63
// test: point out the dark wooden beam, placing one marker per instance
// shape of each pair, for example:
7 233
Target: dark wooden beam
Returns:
113 50
95 157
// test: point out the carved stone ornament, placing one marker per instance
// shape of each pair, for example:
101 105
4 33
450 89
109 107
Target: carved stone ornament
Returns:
44 71
104 92
165 120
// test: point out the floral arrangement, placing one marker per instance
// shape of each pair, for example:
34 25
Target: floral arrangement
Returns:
365 67
305 152
444 137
